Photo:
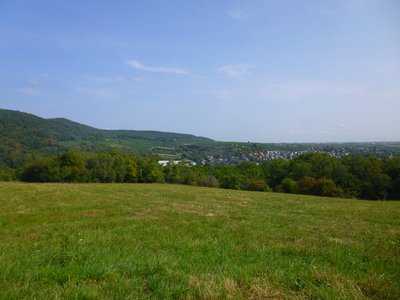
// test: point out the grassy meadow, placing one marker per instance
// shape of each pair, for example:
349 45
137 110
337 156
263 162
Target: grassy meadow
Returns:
154 241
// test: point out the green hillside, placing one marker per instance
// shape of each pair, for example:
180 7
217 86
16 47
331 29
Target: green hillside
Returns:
152 241
24 137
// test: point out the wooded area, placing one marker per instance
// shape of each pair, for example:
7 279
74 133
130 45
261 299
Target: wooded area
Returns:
311 174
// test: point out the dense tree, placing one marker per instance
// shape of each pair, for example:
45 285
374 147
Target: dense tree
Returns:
288 185
372 183
391 167
257 184
150 170
275 171
174 173
229 177
299 169
46 170
100 168
72 167
132 170
313 174
7 174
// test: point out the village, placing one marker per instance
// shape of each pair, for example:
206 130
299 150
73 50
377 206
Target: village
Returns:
256 156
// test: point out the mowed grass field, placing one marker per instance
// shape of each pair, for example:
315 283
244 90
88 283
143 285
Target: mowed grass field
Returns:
137 241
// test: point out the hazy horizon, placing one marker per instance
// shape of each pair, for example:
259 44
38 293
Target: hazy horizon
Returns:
265 71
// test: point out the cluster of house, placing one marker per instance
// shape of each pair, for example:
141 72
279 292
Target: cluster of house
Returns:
176 162
263 155
259 156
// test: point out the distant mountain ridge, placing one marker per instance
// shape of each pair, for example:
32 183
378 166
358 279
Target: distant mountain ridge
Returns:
64 128
25 136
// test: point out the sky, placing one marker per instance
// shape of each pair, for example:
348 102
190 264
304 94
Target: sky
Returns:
254 70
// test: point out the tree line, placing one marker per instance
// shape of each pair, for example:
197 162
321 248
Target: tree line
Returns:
311 174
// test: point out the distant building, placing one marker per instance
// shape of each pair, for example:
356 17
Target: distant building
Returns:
167 162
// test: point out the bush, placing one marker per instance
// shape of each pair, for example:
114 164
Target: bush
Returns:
208 181
7 175
288 185
319 187
257 184
47 170
326 187
233 181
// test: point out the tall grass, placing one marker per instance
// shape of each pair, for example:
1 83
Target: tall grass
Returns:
137 241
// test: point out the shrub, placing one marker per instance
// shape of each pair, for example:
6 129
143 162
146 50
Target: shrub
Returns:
257 184
288 185
208 181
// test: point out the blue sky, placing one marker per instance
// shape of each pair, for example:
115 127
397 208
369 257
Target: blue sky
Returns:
255 70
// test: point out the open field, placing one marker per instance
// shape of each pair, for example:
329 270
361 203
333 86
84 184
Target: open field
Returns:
169 241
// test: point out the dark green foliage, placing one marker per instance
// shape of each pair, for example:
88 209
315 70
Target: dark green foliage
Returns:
208 181
311 174
288 185
275 171
257 184
299 169
101 168
46 170
72 167
150 170
174 173
391 168
320 187
369 174
306 185
7 174
233 180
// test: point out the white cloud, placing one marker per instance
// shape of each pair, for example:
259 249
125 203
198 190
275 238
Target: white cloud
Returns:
28 91
235 71
156 69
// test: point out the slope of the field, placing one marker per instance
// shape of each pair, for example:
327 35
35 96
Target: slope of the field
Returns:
136 241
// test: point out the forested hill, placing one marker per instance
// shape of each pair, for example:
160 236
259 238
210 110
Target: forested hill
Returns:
25 137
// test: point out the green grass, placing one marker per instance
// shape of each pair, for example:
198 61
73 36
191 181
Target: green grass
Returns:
137 241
